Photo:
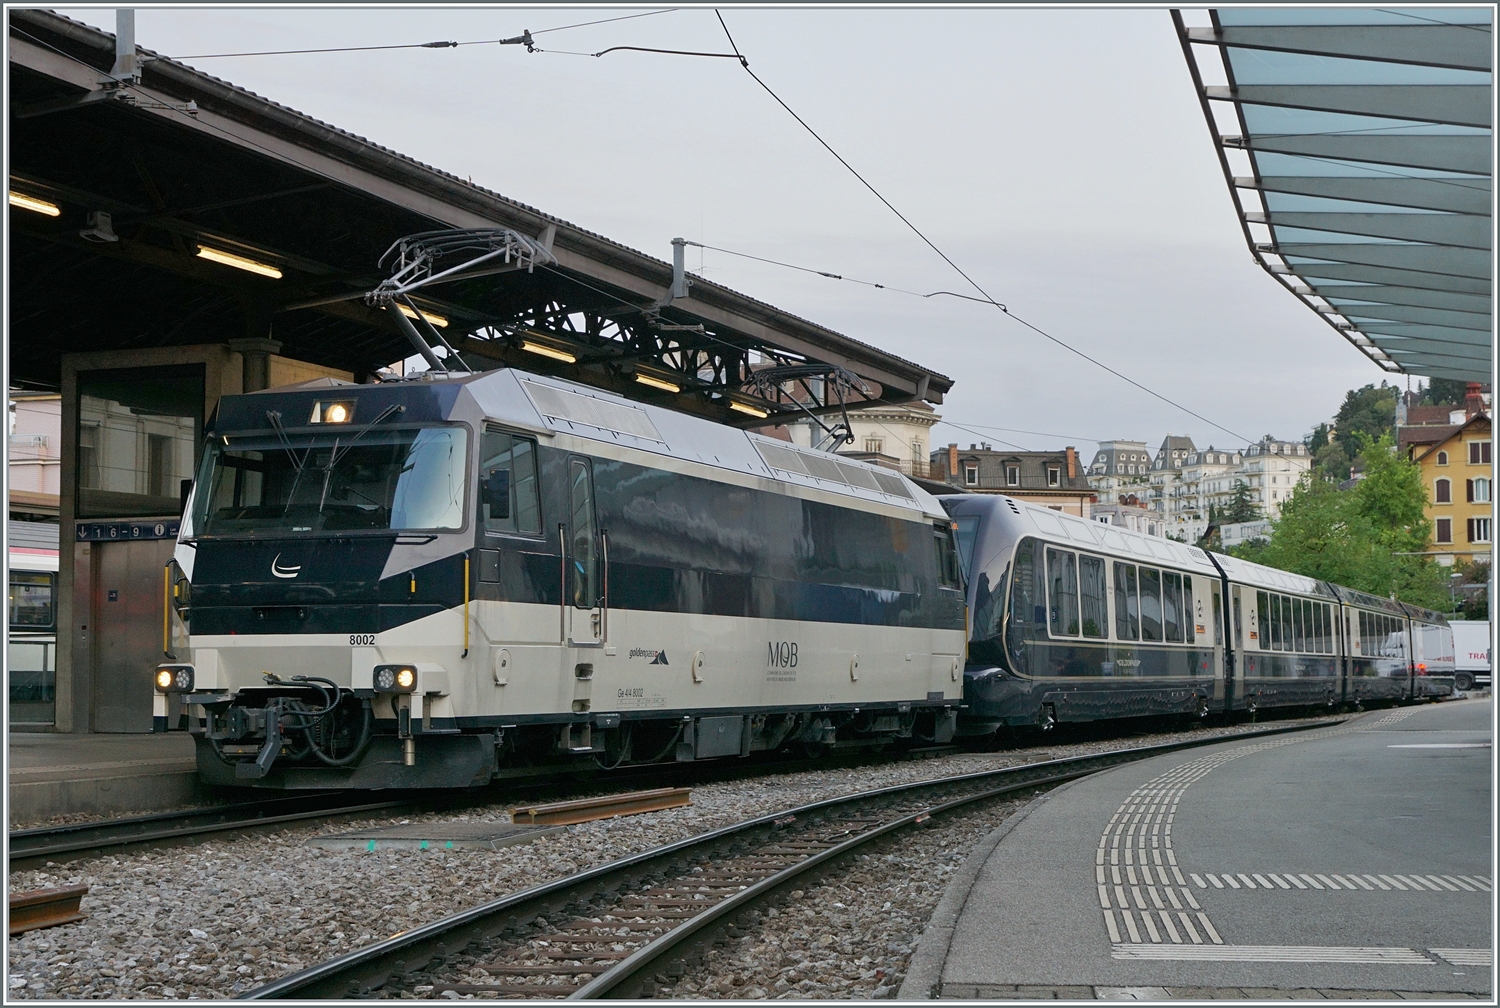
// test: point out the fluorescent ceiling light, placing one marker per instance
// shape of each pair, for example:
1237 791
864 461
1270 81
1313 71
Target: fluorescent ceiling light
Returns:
546 351
754 411
40 206
436 320
657 383
238 262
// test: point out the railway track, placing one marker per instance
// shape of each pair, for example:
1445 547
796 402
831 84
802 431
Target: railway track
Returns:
34 847
630 927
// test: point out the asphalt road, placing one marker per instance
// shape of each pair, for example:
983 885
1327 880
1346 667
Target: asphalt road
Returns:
1351 858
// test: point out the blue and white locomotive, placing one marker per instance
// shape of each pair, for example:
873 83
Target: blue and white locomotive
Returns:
445 581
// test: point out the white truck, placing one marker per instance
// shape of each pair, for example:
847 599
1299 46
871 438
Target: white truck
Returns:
1471 645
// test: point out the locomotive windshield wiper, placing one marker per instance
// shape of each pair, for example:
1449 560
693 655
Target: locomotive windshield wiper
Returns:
338 453
274 416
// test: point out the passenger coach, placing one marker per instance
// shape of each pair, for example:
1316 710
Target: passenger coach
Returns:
1073 620
443 581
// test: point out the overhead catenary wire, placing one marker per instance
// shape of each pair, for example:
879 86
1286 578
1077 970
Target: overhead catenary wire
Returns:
745 63
519 40
944 256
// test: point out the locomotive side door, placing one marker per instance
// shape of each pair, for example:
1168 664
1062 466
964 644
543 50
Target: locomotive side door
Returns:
526 652
584 608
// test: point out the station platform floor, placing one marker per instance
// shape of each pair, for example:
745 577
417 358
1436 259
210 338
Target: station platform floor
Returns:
54 774
1347 862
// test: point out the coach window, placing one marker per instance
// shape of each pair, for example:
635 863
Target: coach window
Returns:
582 555
1188 614
1171 606
1263 619
1062 581
1150 604
1127 604
947 556
1299 630
1287 643
1218 615
1091 594
1025 608
508 486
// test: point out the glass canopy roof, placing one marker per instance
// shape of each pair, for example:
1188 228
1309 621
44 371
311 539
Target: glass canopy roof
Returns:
1357 146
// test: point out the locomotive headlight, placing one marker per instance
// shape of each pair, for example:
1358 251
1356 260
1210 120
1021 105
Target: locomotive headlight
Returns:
332 412
174 678
395 678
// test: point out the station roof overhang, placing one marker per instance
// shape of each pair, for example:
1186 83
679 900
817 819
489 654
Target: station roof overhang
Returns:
181 160
1357 146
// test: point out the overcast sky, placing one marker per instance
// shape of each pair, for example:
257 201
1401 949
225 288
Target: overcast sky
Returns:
1059 156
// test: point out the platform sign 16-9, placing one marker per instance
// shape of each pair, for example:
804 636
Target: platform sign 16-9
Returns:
117 531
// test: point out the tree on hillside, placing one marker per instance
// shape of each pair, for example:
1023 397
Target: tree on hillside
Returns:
1328 455
1368 412
1241 507
1368 537
1444 392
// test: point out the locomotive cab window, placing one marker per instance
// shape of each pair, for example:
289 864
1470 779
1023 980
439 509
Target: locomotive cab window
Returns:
508 485
340 480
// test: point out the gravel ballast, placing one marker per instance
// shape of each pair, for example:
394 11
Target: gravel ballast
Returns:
219 918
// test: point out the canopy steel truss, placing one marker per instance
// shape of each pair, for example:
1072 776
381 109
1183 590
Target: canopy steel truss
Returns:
655 351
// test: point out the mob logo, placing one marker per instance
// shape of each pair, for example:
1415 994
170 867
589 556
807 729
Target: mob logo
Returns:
781 654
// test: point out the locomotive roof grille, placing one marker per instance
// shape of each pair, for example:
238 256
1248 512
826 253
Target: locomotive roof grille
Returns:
824 467
574 407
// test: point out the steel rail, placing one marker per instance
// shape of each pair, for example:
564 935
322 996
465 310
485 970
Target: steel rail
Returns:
355 973
44 908
29 847
645 957
75 838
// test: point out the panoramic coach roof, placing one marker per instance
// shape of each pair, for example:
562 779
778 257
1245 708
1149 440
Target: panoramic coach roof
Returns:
1271 578
1357 146
1059 527
144 161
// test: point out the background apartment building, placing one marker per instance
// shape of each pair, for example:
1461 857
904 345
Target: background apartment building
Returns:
1052 479
1453 447
1179 490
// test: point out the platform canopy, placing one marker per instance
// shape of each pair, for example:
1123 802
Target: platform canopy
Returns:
140 189
1357 146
